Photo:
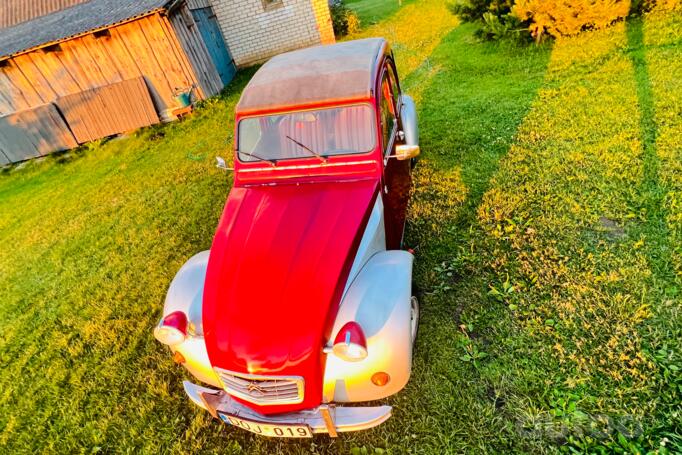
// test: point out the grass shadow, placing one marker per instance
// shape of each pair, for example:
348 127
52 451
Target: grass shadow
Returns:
665 323
469 114
472 100
655 228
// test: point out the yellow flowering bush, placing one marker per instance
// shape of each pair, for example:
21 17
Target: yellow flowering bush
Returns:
567 18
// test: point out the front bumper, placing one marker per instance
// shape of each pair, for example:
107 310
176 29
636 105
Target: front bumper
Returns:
323 419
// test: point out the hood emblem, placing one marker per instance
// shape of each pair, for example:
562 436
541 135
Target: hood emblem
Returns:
255 390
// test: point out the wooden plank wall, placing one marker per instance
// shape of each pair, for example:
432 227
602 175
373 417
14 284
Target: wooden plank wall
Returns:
146 47
190 40
108 110
33 132
198 4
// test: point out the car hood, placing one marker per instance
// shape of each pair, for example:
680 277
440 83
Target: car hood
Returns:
277 268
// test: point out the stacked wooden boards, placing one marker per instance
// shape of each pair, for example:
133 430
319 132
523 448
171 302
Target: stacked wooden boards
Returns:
32 133
76 119
108 110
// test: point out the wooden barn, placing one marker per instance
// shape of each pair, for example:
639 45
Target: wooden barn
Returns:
72 71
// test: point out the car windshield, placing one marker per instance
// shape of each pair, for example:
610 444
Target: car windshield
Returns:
320 133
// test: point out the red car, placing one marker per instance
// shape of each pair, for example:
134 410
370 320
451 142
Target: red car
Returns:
304 301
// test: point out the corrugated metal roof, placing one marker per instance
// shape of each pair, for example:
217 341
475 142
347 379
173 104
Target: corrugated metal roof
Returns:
13 12
72 21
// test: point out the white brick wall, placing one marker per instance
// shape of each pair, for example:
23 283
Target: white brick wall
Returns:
324 21
254 34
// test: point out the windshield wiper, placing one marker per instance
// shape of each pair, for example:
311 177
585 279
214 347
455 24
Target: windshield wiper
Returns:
259 158
322 158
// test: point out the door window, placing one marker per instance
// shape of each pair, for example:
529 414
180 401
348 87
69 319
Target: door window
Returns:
395 86
389 121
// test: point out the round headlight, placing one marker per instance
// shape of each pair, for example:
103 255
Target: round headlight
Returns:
350 343
172 329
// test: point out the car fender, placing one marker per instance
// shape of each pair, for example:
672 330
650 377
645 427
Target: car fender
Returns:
186 294
373 241
378 300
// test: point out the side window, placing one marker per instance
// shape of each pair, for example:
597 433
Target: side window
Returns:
394 85
389 122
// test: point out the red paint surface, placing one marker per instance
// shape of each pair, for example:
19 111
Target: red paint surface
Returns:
278 265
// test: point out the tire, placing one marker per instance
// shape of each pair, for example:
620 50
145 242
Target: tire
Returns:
414 318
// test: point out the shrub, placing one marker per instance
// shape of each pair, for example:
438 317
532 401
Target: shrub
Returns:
497 27
475 10
542 18
493 16
344 19
353 22
563 18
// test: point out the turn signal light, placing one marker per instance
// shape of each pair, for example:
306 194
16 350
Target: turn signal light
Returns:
380 379
350 343
178 357
172 329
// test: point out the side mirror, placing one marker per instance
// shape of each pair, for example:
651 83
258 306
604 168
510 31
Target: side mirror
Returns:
220 164
408 118
406 152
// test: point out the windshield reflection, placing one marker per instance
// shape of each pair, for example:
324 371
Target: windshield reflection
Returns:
319 134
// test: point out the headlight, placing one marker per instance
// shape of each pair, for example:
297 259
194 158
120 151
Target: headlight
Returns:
172 329
350 343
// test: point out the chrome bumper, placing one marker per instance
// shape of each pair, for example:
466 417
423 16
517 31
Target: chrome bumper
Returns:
323 419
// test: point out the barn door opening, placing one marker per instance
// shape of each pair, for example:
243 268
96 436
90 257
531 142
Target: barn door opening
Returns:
215 43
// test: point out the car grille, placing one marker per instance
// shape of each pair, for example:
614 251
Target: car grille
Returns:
262 390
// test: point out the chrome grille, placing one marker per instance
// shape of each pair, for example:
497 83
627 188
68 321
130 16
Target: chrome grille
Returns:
262 390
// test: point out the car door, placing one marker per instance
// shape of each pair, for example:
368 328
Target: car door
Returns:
396 175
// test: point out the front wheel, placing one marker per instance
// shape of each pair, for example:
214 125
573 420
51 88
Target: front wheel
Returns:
414 317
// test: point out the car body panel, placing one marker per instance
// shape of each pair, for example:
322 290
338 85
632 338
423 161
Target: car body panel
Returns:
185 294
373 241
277 269
378 300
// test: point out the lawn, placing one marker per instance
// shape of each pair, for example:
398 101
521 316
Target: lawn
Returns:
370 12
546 220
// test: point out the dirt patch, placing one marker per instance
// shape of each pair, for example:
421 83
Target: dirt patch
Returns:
497 399
613 230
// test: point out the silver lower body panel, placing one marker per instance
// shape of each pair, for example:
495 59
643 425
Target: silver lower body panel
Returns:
323 419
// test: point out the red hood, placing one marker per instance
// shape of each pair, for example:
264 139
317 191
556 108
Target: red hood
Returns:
278 265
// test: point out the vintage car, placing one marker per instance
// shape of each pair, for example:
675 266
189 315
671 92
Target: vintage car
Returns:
304 301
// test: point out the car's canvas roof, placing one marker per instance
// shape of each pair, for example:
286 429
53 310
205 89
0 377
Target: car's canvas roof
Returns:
317 74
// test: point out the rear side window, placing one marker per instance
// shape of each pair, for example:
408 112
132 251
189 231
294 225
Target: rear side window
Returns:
388 114
395 87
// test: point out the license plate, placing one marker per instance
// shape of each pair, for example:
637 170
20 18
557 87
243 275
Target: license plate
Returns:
268 429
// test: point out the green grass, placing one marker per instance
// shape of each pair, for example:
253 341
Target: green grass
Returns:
547 224
371 12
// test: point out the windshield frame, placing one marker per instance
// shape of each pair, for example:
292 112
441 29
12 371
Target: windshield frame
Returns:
372 149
